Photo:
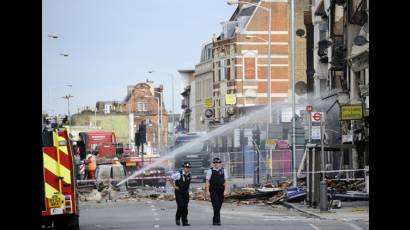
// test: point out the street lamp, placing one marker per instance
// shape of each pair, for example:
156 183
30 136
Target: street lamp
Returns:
54 36
173 109
159 114
51 95
67 97
230 2
292 41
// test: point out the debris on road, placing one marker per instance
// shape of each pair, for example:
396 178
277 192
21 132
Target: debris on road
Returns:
296 194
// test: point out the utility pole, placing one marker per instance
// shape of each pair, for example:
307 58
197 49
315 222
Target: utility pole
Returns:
67 97
242 142
161 94
323 184
292 41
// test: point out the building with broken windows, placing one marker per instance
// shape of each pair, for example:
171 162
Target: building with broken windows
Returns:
340 40
143 102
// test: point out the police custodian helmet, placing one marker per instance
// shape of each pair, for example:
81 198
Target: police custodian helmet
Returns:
186 164
216 160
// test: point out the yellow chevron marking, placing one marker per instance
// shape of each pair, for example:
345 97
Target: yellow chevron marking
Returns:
51 165
50 191
64 149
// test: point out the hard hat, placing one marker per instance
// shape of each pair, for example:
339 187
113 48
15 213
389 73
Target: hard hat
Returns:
116 158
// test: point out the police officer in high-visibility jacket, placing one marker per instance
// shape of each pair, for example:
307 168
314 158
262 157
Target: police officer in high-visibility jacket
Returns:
216 182
180 181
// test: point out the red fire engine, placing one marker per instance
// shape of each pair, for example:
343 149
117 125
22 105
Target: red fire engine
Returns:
60 200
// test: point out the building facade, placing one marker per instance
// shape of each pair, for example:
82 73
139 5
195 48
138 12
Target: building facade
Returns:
202 87
341 79
187 119
143 102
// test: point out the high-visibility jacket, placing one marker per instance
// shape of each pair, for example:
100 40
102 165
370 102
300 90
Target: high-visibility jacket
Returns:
92 163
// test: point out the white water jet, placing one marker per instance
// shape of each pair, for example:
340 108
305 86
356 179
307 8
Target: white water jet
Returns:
256 116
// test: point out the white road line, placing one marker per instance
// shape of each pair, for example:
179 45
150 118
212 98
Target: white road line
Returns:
153 209
155 214
156 226
157 219
152 206
355 227
314 227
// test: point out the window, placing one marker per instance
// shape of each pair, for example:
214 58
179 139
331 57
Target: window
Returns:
107 108
221 70
142 106
227 68
249 60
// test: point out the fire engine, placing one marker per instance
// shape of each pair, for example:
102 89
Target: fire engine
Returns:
60 199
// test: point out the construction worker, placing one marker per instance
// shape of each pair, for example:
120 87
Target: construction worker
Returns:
91 166
216 182
116 161
180 181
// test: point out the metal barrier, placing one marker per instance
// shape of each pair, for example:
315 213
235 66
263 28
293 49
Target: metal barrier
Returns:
273 164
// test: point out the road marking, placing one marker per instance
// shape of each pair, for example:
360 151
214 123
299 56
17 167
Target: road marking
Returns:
314 227
155 214
157 219
355 227
152 206
153 209
156 226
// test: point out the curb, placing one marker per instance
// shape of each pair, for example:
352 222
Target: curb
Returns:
291 206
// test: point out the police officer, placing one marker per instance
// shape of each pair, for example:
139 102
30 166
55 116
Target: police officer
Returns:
180 181
216 181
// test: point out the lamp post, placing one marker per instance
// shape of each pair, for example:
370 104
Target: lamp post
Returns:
232 2
51 95
67 97
173 109
292 41
159 137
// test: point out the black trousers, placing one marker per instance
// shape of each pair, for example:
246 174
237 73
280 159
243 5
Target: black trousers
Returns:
182 199
217 198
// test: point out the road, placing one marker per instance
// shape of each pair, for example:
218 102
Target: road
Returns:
159 214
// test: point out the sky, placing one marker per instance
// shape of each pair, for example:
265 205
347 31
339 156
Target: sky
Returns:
114 43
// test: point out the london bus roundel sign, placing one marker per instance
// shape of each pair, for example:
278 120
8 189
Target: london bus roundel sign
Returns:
316 116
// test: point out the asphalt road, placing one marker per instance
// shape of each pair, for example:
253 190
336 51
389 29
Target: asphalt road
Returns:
158 214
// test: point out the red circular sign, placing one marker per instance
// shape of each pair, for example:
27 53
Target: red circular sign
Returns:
316 116
309 108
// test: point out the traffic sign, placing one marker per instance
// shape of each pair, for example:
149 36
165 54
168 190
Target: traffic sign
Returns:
309 108
315 135
209 113
230 99
351 112
316 116
208 102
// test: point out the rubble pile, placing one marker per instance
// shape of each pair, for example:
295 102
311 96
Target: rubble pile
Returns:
347 185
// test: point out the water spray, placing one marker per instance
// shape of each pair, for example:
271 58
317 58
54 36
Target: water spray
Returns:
216 132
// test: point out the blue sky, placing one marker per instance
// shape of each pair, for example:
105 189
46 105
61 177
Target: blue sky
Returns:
113 43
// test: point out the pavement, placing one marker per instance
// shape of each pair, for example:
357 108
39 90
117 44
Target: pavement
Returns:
349 211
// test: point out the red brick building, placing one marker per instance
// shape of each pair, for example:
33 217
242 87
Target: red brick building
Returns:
142 101
241 57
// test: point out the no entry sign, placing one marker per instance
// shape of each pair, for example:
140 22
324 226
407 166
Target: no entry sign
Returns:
309 108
